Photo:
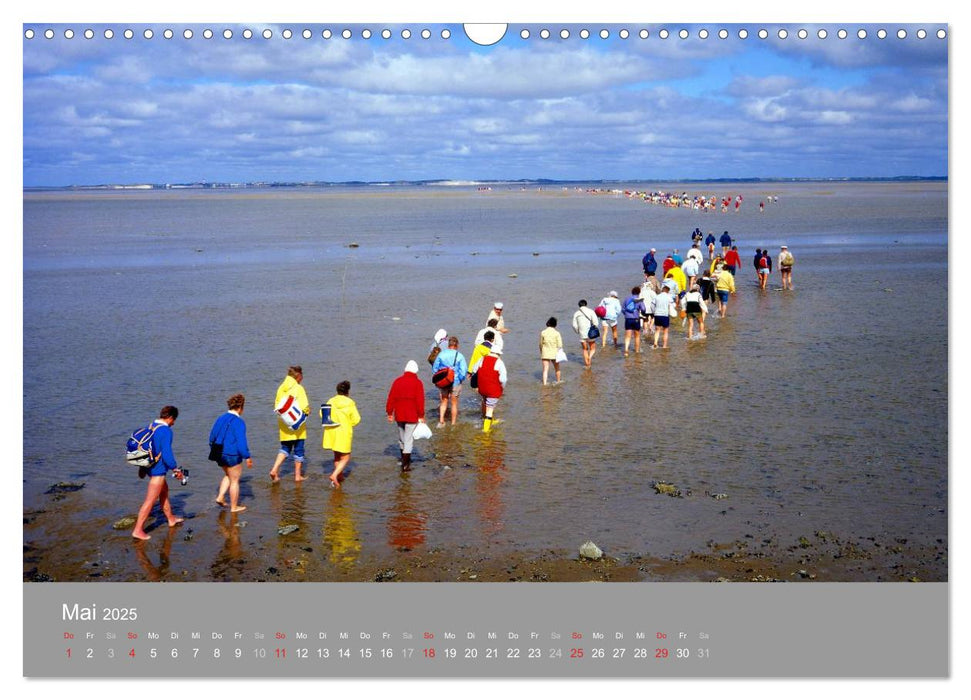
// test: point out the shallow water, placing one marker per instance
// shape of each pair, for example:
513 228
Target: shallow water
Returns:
821 409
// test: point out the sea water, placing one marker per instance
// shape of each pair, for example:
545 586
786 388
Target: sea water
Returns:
822 409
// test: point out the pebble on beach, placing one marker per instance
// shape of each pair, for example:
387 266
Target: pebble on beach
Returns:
125 523
666 488
287 529
588 550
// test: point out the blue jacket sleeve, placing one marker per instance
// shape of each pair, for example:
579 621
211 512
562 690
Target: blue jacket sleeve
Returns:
163 445
239 432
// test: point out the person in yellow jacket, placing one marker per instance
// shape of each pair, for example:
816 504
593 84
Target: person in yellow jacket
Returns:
676 274
724 285
340 432
292 438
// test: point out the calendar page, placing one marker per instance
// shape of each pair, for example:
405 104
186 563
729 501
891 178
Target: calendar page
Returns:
424 349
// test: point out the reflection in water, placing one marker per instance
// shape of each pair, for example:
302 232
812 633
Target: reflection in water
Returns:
152 572
340 533
407 524
228 563
489 454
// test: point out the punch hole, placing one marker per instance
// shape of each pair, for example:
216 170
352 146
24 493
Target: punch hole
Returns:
743 33
89 34
624 34
901 33
703 34
842 34
148 34
802 34
763 34
881 34
247 33
227 34
722 33
405 33
822 34
783 34
307 34
68 33
287 34
604 34
921 34
187 34
129 34
683 34
168 33
488 34
207 34
544 34
643 34
524 34
564 33
861 33
446 34
584 33
366 34
109 34
941 34
327 34
664 33
29 34
426 34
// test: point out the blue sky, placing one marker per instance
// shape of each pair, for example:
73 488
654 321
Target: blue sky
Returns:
158 110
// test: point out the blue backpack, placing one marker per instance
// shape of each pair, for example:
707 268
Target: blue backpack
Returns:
630 306
140 449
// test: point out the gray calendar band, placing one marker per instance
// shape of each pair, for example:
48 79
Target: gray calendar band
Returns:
486 630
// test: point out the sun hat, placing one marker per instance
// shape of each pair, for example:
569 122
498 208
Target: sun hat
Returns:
440 335
497 305
412 367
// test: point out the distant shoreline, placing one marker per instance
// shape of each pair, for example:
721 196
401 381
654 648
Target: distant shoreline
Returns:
462 183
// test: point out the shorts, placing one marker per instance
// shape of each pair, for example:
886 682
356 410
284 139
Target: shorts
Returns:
230 461
632 324
723 296
662 321
451 390
695 314
786 268
612 322
491 401
157 469
293 447
764 271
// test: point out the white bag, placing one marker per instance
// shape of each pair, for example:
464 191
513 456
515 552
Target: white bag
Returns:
560 356
422 431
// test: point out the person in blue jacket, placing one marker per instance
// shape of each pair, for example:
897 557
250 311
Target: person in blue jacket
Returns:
229 430
726 241
158 490
649 263
449 395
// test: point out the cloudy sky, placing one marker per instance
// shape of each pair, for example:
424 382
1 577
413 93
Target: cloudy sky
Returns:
239 110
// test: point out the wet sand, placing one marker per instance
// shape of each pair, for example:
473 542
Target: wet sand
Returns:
815 411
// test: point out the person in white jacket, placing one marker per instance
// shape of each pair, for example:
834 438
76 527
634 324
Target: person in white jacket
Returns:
694 306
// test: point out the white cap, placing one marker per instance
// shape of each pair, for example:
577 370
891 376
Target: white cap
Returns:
497 305
613 293
412 367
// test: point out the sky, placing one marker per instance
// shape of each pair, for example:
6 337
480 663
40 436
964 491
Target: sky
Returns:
128 111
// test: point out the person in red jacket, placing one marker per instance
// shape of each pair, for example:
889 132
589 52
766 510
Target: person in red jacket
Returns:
732 260
406 407
491 373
